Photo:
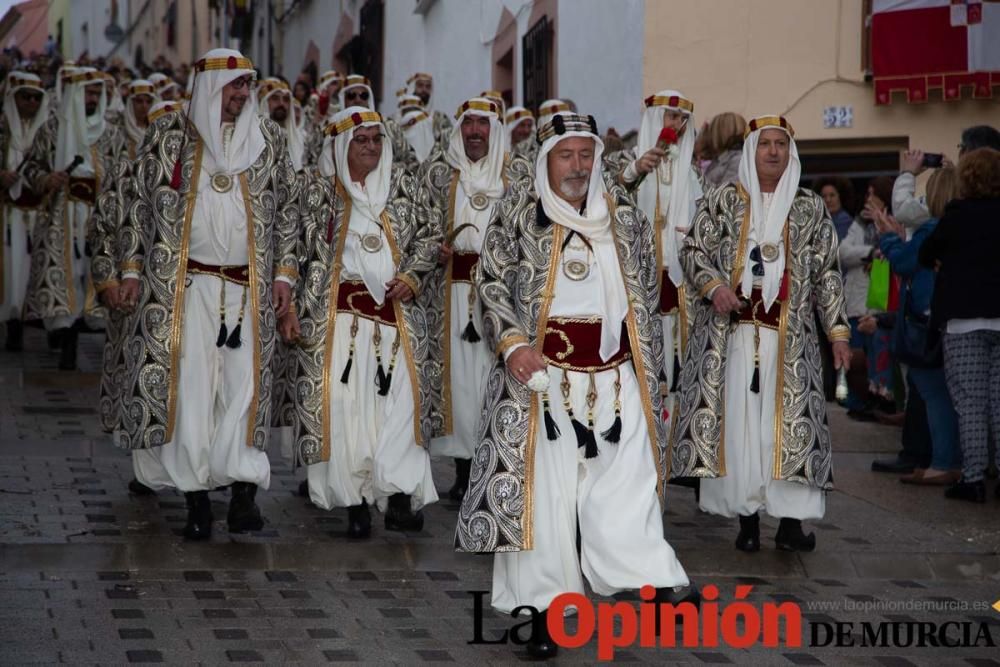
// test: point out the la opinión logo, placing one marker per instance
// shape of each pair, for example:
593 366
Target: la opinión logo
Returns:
737 624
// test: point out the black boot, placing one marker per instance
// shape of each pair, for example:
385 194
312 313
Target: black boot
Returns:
399 516
137 488
15 336
541 646
791 538
457 491
675 597
974 492
54 338
749 538
359 521
199 521
244 514
304 488
67 355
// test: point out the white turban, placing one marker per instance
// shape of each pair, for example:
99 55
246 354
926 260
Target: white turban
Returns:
78 131
21 136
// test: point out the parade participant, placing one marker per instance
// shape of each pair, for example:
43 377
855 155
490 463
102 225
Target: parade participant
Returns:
166 88
421 85
462 187
25 110
567 480
211 236
364 380
71 154
418 128
274 100
667 191
752 419
519 129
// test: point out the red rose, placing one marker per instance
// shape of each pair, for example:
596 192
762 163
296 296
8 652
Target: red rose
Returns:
668 136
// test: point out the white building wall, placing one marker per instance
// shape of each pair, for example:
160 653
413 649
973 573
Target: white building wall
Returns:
600 45
94 15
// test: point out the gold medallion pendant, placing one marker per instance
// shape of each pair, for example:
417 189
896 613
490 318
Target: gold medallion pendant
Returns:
479 201
222 182
769 252
576 269
371 242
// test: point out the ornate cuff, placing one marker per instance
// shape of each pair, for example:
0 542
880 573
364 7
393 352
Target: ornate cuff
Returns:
291 274
130 267
839 332
709 286
509 341
100 287
410 282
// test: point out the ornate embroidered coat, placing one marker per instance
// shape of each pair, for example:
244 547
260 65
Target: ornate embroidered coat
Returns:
154 242
327 212
438 184
51 262
516 283
713 254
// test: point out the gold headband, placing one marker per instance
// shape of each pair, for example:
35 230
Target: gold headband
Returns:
140 89
231 62
674 101
420 75
163 111
356 119
478 105
16 82
555 107
763 122
416 119
357 80
515 116
96 77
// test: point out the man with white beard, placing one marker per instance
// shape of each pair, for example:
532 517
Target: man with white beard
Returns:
79 136
25 109
571 488
211 236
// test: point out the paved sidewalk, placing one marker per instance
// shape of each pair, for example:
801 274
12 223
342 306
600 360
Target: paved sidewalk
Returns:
91 575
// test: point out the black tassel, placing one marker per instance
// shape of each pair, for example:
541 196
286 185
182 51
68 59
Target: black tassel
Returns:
677 374
470 334
583 438
755 380
347 369
551 430
590 451
614 434
234 341
223 334
380 380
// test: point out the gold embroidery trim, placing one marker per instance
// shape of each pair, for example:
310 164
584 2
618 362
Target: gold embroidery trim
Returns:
409 281
286 272
254 308
331 311
839 332
709 286
178 319
449 423
130 267
779 385
510 341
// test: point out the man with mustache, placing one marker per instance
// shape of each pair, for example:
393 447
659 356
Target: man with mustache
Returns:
60 292
752 420
363 385
421 85
519 127
211 239
460 190
569 473
25 110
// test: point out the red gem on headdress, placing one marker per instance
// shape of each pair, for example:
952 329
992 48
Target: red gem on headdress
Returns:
231 62
356 118
672 102
649 100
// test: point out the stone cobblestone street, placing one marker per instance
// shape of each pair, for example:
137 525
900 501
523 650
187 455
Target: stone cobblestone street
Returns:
91 575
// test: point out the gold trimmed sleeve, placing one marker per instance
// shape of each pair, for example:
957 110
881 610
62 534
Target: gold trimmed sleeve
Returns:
839 333
131 267
410 282
707 288
100 287
287 272
509 341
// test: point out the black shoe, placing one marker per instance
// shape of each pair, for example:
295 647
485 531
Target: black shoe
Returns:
791 538
137 488
54 338
15 336
304 488
67 354
244 514
860 415
896 466
199 521
359 521
996 492
749 538
458 489
399 516
541 646
675 597
974 492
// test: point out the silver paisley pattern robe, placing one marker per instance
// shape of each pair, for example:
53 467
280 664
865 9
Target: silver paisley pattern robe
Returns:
713 254
517 276
153 241
325 222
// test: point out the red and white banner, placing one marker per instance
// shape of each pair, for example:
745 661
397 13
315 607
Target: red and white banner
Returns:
951 45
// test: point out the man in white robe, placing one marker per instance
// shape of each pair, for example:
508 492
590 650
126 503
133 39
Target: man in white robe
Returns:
25 109
240 260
